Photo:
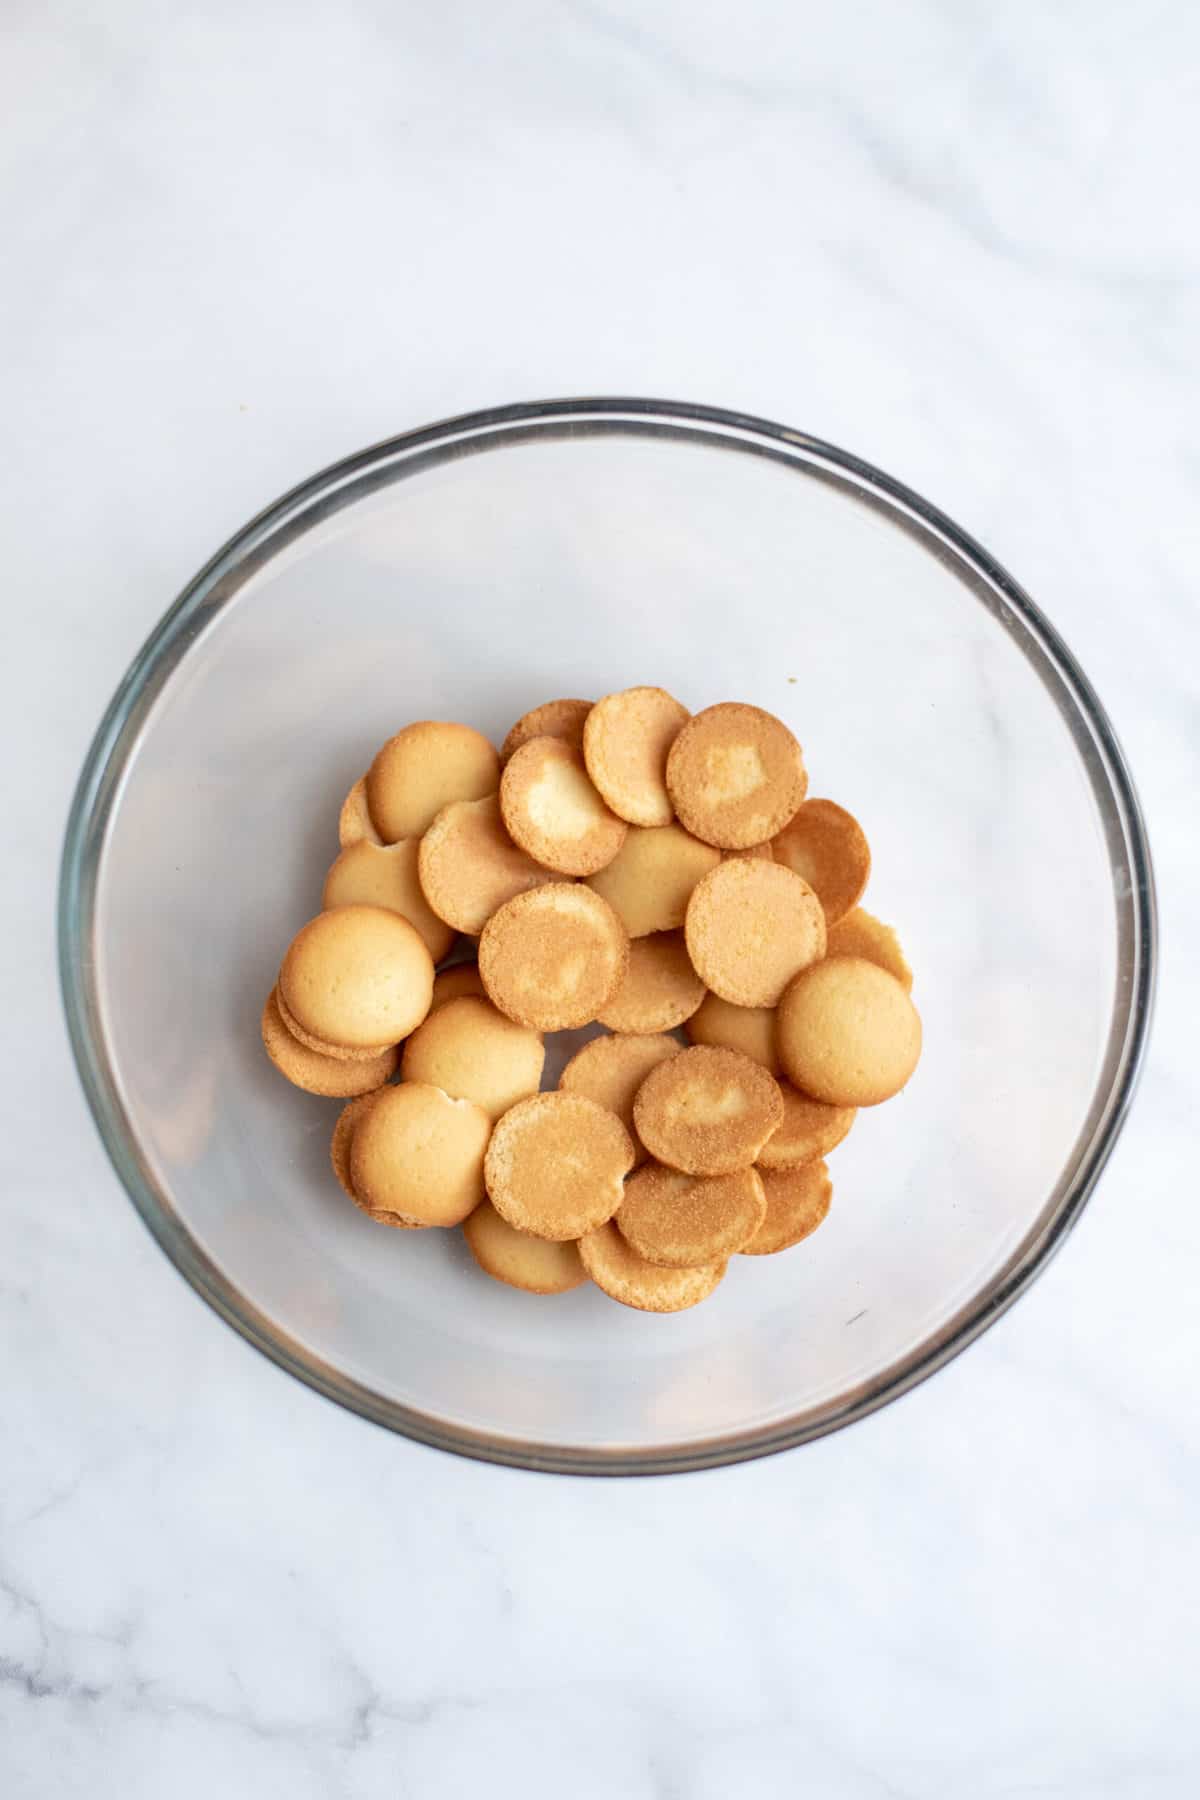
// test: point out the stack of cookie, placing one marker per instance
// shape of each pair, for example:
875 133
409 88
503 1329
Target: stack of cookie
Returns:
625 863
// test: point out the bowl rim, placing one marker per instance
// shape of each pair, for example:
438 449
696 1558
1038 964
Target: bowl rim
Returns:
216 585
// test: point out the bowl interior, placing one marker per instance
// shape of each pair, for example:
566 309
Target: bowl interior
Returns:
469 578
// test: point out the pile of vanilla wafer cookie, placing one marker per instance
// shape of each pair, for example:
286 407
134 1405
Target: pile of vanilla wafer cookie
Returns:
624 863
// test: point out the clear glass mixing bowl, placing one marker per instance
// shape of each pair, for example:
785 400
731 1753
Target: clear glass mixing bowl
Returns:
468 571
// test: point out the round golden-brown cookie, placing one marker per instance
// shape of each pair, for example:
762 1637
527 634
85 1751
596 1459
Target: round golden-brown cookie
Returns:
519 1259
551 959
339 1156
828 847
810 1129
556 1165
752 926
333 1077
456 983
610 1070
660 988
472 1052
750 1029
649 881
354 821
370 874
860 933
707 1111
552 811
625 742
423 768
847 1033
797 1202
358 976
735 775
556 718
419 1154
618 1271
681 1221
469 866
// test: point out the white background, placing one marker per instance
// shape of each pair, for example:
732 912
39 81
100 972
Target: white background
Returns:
243 239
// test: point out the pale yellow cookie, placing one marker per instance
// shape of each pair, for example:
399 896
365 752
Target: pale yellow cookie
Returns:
359 976
649 881
423 768
419 1154
828 847
610 1070
660 988
551 809
752 926
316 1073
456 983
681 1221
519 1259
626 738
618 1271
735 775
552 959
469 866
860 933
386 875
339 1155
847 1033
810 1129
556 1165
750 1029
797 1200
557 718
707 1111
472 1052
753 853
354 821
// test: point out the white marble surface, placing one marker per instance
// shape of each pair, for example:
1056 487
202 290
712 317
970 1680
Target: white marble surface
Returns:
242 240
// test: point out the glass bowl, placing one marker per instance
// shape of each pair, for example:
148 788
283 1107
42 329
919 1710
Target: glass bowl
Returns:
469 571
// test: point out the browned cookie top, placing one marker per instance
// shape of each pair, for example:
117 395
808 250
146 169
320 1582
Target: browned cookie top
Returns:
553 958
707 1111
735 775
